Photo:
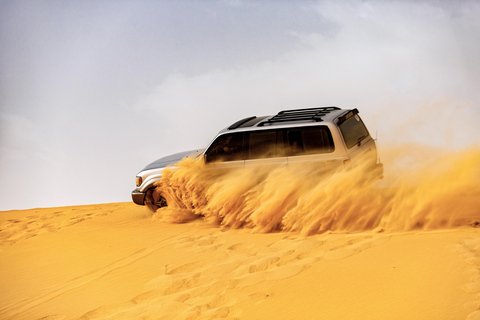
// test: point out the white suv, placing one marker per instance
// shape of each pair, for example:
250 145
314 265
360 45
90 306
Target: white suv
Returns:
325 138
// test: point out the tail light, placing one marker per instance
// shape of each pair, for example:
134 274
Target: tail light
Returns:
138 181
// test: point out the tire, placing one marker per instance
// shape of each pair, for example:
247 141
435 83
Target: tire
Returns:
162 202
154 201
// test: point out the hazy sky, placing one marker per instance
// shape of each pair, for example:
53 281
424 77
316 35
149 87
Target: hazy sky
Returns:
92 91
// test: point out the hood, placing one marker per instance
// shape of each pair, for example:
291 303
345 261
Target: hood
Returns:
172 159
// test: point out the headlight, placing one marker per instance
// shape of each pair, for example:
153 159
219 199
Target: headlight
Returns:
138 181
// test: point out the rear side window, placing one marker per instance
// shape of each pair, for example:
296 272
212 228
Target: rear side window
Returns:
265 144
227 147
309 140
353 131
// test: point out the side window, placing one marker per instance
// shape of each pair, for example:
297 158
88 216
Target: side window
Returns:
309 140
264 144
353 131
227 147
295 142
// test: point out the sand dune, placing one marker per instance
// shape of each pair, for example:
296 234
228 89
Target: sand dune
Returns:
113 261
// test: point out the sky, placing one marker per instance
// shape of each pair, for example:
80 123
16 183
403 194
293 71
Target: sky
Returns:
92 91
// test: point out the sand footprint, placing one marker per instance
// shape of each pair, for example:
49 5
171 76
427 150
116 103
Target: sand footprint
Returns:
17 230
217 306
201 243
14 230
263 264
241 247
185 268
184 297
354 245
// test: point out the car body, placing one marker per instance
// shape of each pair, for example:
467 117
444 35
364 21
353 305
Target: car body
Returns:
322 138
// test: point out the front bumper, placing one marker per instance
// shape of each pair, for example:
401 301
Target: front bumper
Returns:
138 197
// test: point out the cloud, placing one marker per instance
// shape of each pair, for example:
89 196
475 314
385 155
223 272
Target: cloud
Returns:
400 63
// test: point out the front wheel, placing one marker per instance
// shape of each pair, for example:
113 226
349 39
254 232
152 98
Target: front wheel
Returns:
154 201
162 202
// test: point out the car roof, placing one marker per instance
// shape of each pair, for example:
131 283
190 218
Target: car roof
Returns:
288 118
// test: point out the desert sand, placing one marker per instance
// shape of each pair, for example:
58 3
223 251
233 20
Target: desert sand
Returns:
114 261
259 243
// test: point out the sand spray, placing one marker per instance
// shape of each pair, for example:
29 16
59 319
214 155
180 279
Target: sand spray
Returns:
423 188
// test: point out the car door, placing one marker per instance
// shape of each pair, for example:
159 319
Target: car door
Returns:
226 151
312 148
264 148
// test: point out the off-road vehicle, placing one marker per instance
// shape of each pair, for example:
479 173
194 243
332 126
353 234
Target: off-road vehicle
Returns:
324 138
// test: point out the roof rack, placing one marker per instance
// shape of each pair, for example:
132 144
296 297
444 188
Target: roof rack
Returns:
315 114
